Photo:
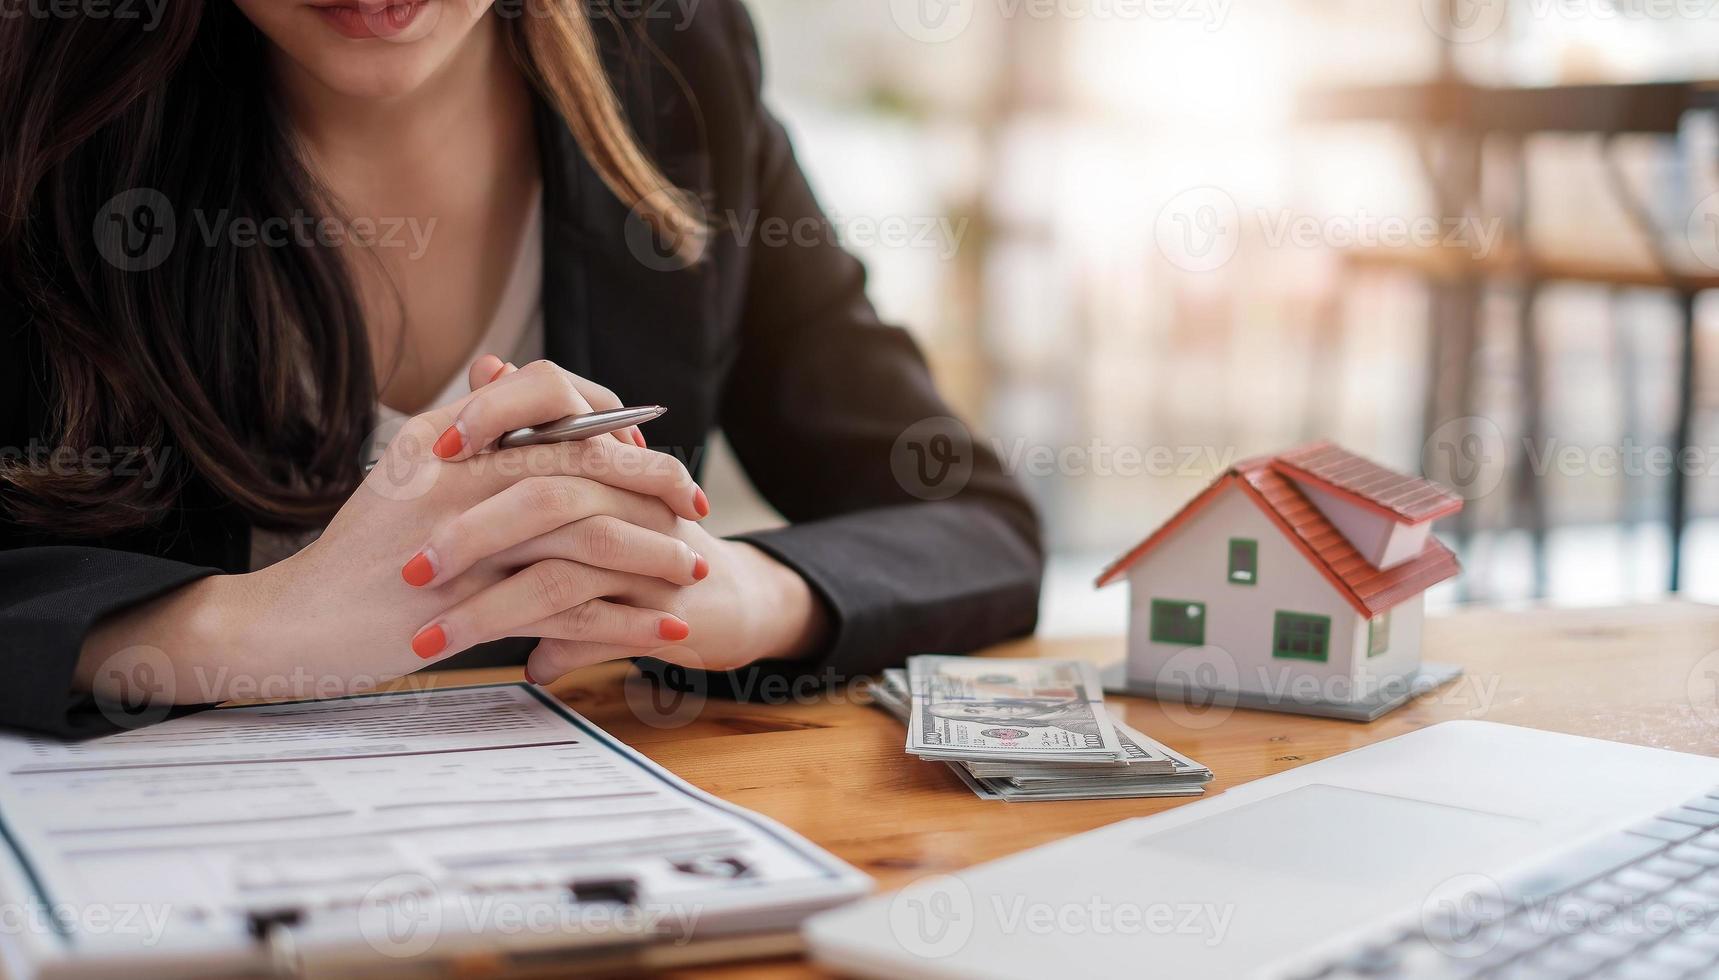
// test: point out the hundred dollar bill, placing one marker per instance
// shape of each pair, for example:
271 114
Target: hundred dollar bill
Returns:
1025 781
1029 710
1145 755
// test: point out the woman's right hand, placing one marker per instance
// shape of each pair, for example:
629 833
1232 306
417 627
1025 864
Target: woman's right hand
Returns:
434 555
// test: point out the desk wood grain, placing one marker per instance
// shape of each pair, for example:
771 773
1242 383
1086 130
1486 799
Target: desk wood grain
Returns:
832 768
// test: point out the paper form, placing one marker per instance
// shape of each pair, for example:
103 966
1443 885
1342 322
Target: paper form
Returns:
463 805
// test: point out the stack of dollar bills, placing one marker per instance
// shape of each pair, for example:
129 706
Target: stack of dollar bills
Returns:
1030 730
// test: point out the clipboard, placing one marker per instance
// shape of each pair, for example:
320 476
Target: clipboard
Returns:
483 829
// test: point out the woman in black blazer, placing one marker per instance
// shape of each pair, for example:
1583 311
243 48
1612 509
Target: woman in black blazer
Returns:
239 235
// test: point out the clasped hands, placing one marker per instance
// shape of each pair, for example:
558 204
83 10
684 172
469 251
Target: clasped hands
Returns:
593 547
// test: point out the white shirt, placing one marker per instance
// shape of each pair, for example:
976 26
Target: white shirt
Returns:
515 334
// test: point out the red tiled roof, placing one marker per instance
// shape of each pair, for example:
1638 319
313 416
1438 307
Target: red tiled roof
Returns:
1403 498
1368 589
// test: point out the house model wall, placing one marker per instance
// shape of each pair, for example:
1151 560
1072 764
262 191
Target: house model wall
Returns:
1257 586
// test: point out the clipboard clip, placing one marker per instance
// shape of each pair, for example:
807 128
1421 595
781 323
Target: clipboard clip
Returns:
604 891
273 928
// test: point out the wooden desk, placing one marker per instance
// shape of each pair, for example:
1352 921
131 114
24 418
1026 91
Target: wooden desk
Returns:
833 768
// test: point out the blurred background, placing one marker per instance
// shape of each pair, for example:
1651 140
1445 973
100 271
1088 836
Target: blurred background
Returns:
1141 239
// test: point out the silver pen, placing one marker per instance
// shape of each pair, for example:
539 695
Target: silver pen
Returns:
573 428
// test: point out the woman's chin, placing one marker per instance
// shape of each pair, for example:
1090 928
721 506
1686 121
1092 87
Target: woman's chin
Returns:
381 76
379 86
382 49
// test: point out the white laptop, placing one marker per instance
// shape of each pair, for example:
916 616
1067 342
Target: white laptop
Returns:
1422 855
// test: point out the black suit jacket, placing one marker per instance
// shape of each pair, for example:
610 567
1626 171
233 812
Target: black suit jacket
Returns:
773 342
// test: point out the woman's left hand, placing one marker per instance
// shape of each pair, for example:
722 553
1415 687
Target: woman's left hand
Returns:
750 607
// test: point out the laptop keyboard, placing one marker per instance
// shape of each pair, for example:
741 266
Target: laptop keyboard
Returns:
1641 904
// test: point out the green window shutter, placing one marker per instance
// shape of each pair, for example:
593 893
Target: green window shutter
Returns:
1379 635
1244 561
1301 636
1180 622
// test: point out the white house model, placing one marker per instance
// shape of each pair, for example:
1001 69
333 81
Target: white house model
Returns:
1294 582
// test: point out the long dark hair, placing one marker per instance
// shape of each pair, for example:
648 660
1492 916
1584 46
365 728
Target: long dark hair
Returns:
248 368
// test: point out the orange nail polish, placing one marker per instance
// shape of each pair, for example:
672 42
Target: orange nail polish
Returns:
498 373
701 503
450 443
700 568
673 630
639 438
429 642
420 570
